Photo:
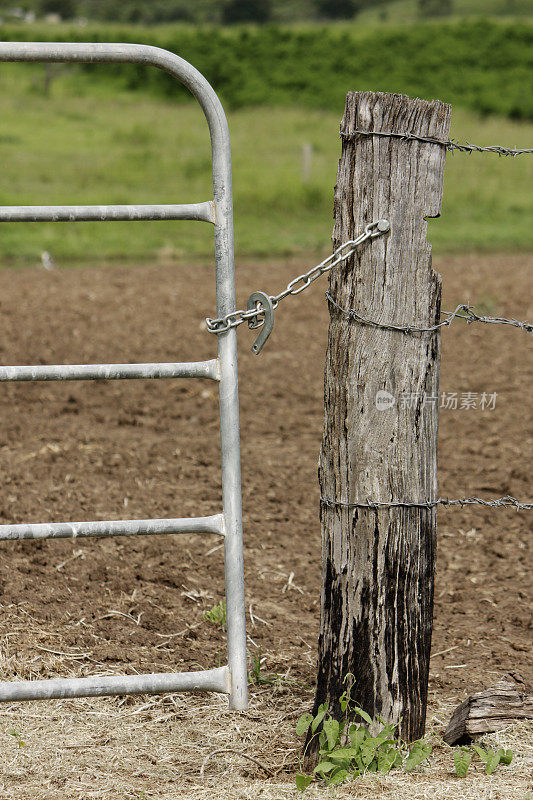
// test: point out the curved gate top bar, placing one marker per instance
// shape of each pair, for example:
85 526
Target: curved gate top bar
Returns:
233 678
185 73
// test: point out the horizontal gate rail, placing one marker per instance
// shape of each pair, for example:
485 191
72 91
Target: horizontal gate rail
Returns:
203 212
96 372
210 680
233 679
121 527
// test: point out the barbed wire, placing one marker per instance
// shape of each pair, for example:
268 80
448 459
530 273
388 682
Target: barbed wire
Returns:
469 316
502 502
448 144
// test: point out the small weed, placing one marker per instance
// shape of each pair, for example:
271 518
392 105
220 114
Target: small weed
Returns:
256 676
347 750
491 758
462 759
17 737
217 614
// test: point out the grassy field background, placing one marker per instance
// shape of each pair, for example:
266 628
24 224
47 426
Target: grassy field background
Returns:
97 142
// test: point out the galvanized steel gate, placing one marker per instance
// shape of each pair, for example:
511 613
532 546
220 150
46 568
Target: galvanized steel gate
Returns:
231 679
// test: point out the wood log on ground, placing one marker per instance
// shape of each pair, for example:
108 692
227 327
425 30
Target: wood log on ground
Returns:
495 708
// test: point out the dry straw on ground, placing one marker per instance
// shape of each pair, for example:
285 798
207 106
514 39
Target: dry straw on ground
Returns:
193 747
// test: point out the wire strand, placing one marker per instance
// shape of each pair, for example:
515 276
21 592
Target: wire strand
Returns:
502 502
448 144
469 316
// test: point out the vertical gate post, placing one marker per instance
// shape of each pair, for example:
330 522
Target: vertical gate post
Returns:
381 416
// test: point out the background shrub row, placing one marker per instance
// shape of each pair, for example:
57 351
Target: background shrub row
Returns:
480 65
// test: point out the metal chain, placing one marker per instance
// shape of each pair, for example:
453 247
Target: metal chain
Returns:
502 502
298 284
469 316
449 144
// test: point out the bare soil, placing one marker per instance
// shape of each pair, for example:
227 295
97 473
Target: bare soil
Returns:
139 449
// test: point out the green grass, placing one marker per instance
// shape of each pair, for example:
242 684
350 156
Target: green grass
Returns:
97 146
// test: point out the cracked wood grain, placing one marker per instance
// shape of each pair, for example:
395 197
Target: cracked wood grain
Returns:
508 701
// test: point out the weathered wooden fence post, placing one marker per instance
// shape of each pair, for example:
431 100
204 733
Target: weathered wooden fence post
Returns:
378 564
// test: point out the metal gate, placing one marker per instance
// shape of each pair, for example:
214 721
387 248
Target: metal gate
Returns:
230 679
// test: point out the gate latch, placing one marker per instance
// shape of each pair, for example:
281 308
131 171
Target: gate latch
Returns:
267 309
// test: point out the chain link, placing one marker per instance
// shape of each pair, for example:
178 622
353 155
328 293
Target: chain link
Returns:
253 316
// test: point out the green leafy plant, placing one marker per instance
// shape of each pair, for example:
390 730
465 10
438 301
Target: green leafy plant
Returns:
462 759
348 750
491 758
217 614
17 737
